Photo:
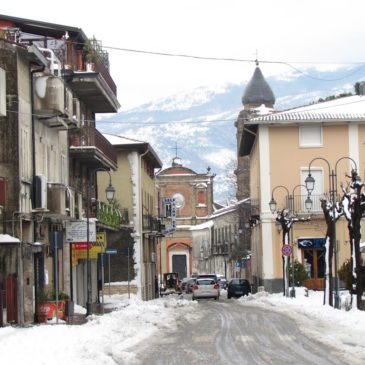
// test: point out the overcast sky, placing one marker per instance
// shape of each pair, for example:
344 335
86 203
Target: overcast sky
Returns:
318 31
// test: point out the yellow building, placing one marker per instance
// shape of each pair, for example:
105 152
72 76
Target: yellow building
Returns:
328 136
136 197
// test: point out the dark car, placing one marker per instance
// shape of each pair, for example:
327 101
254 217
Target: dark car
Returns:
189 285
183 284
238 287
222 281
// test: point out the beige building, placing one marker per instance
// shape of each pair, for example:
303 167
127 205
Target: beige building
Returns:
136 197
328 136
222 244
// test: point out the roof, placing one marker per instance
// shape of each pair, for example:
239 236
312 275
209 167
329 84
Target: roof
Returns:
177 170
341 110
258 91
122 143
44 28
351 108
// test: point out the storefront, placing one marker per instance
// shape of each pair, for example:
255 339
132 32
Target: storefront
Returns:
313 259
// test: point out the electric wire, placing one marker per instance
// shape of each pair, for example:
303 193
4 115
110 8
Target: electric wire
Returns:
289 64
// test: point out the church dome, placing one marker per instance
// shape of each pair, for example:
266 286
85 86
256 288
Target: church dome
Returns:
258 91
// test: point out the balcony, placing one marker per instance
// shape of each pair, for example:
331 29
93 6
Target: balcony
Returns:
96 89
107 215
91 147
151 223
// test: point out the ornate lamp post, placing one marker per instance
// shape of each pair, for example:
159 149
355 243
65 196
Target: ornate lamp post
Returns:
332 213
286 218
109 192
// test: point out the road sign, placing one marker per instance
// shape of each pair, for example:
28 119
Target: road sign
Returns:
286 250
111 251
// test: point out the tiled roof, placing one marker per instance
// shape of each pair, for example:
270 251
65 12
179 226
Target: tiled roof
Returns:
350 108
295 116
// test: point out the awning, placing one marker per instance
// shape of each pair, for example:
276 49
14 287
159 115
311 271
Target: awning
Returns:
6 239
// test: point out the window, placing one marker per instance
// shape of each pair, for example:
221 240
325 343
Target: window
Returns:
310 136
25 153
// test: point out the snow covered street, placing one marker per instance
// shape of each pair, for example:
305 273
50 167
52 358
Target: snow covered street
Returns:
116 337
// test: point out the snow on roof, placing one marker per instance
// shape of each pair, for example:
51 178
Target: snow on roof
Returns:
120 140
346 109
201 226
6 238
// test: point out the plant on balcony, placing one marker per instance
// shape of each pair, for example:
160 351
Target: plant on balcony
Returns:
92 51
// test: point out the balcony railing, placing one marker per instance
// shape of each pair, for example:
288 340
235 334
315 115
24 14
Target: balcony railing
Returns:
89 136
108 215
151 223
299 202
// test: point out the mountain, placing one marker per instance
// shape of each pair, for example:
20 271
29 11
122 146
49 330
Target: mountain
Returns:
198 125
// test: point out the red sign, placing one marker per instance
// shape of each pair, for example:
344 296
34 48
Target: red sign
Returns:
286 250
81 246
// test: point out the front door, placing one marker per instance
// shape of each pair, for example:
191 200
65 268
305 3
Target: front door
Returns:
179 265
314 263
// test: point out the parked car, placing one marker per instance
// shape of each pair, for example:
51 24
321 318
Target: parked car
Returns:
189 285
222 281
183 284
238 287
211 276
206 288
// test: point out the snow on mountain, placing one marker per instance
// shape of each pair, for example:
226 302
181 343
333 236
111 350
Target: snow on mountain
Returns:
198 125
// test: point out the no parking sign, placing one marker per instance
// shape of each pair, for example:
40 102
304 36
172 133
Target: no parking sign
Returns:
286 250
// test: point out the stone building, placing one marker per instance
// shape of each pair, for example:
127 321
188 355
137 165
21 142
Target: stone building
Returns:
50 151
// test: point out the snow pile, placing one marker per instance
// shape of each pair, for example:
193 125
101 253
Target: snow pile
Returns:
103 340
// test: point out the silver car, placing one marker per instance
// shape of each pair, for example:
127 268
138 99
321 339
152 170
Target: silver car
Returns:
206 288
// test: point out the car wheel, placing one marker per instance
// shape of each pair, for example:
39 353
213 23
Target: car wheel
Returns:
228 296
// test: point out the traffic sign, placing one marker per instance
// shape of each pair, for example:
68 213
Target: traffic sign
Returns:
286 250
111 251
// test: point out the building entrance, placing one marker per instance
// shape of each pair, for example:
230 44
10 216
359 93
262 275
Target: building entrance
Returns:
179 265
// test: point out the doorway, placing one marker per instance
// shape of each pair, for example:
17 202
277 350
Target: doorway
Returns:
314 263
179 265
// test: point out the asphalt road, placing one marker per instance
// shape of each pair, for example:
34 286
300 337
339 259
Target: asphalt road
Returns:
225 333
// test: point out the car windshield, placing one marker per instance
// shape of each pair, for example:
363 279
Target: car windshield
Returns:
239 282
206 282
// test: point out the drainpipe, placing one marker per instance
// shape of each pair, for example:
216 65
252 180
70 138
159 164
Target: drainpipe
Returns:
32 72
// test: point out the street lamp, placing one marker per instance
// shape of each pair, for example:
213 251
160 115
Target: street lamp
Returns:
109 192
330 214
286 218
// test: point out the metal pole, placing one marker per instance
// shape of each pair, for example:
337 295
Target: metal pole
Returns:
334 193
55 235
109 273
129 289
102 279
292 293
88 263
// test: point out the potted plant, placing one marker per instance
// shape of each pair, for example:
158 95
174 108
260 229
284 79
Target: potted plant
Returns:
92 51
43 308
